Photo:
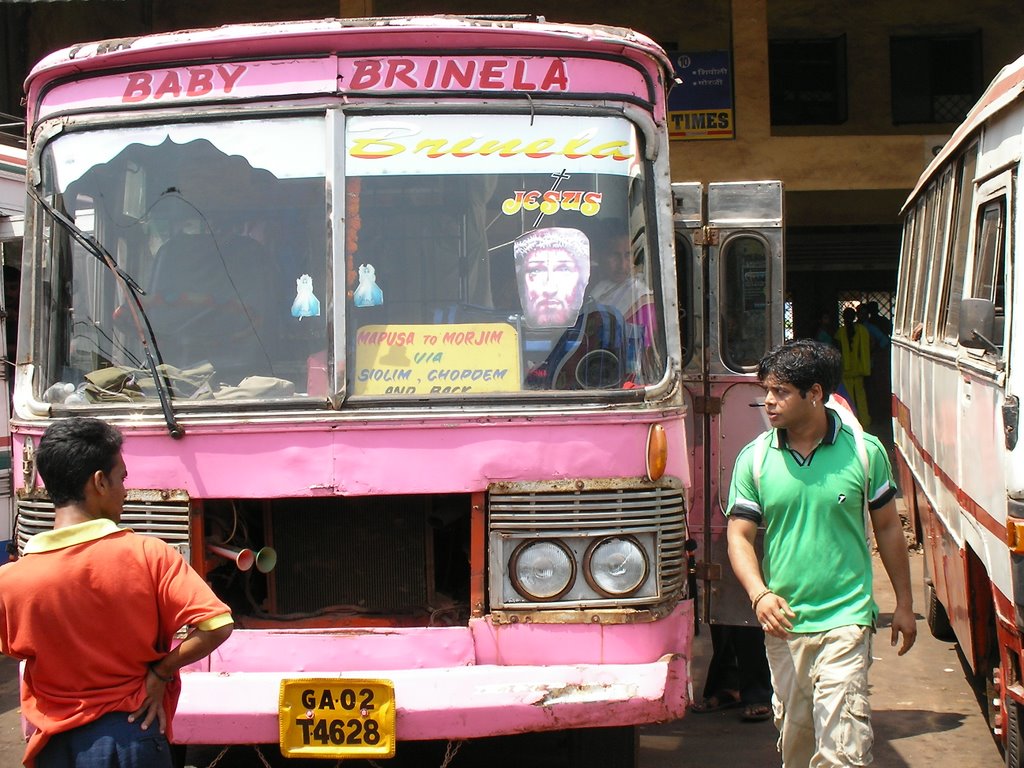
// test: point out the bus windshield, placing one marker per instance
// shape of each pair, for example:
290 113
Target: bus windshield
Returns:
392 256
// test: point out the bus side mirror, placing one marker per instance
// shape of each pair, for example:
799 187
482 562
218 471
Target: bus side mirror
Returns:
977 324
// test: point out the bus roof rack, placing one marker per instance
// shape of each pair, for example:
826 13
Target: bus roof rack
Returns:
506 17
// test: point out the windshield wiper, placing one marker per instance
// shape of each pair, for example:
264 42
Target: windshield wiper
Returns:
137 311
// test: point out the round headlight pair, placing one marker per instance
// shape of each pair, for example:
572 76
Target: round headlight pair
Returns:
545 570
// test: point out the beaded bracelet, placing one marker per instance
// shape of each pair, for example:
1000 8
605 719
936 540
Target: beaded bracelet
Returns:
760 595
152 668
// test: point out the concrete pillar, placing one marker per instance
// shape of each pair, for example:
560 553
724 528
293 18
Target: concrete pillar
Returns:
750 68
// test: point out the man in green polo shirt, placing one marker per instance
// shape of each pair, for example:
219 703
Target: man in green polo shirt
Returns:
813 480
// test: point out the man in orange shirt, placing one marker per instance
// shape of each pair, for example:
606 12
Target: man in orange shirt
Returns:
92 609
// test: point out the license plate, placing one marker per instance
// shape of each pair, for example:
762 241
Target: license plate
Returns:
337 718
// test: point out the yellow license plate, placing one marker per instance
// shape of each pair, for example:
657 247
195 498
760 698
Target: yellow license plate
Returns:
337 718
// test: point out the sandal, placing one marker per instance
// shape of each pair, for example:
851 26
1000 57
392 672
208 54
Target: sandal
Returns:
716 703
755 713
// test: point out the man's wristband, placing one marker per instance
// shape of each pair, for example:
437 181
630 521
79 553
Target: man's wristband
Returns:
759 597
152 668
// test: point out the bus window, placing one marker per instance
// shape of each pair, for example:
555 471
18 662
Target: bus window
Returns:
745 329
906 271
988 260
216 222
684 281
958 254
923 242
936 256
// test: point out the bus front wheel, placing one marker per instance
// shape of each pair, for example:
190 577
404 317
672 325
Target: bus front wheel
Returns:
1012 717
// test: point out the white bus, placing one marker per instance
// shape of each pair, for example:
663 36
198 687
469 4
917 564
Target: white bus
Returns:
958 378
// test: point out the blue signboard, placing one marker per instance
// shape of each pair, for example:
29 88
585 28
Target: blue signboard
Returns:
700 105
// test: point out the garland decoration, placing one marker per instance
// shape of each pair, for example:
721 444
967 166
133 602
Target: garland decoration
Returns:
353 223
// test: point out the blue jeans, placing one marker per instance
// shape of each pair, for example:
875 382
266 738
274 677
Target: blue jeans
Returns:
109 742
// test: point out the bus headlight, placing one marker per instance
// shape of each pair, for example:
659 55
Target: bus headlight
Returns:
615 566
542 570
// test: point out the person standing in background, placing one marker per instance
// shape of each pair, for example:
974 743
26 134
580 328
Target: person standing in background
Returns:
825 334
855 347
882 374
738 674
618 284
880 321
877 386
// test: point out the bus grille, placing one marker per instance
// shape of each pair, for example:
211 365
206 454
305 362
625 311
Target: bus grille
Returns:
5 482
168 521
369 555
527 512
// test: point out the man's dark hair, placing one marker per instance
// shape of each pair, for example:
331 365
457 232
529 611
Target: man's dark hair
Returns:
70 451
803 363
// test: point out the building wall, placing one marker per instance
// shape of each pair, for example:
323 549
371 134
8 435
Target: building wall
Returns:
841 160
844 183
868 26
867 152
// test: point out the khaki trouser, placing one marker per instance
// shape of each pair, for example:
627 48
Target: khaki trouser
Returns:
821 697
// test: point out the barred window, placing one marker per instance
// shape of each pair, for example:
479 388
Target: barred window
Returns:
808 81
935 79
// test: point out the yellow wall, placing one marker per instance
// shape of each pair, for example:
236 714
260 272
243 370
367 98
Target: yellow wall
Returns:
804 163
865 154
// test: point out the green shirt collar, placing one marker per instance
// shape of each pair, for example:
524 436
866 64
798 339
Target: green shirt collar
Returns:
835 424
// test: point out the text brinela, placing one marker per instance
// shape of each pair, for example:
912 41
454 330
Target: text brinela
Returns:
377 148
448 74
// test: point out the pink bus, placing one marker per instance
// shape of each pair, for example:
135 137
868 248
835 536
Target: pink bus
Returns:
387 311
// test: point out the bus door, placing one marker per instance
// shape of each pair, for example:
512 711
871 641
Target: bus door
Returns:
11 233
738 299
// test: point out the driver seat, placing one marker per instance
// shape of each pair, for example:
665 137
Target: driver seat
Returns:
209 300
591 354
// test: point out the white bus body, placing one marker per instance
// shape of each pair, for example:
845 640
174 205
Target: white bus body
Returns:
957 380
